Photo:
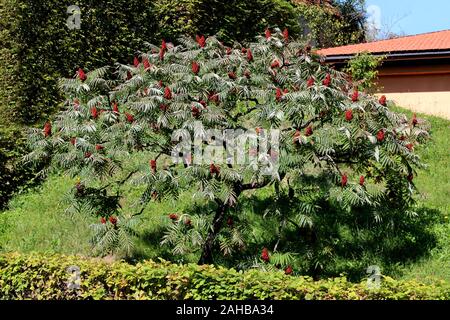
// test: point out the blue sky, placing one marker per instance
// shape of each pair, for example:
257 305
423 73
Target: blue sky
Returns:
412 16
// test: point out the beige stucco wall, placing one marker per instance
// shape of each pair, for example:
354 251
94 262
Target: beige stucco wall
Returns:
433 103
421 88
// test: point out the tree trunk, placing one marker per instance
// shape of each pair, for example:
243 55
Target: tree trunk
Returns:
207 256
207 252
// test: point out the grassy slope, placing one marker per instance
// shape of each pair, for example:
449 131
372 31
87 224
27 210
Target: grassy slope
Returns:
434 185
36 221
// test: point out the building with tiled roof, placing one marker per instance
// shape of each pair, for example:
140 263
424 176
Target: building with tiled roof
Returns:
415 73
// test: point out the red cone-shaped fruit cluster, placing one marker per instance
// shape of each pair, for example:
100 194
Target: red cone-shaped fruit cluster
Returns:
47 129
265 255
344 180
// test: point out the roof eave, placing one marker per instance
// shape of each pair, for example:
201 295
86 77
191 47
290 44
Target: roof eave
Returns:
391 55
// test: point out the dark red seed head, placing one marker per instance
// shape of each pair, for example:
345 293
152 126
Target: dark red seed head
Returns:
195 112
349 115
129 117
153 165
361 180
213 169
167 93
382 100
136 62
344 180
94 112
214 97
113 220
195 68
275 64
310 82
99 147
173 216
81 75
232 75
265 255
147 64
380 135
309 131
201 41
355 96
278 94
249 55
327 81
268 34
288 271
47 129
115 108
102 220
286 34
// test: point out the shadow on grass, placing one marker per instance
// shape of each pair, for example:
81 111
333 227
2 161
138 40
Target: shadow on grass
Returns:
150 246
340 242
149 240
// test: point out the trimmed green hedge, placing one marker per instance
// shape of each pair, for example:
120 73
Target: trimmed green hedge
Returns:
14 176
231 20
40 48
46 276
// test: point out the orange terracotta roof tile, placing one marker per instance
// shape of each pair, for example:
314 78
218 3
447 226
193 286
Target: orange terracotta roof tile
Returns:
433 41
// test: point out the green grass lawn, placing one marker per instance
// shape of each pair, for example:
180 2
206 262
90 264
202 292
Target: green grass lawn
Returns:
36 220
434 186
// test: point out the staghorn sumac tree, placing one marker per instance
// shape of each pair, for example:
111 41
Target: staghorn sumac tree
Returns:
337 147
